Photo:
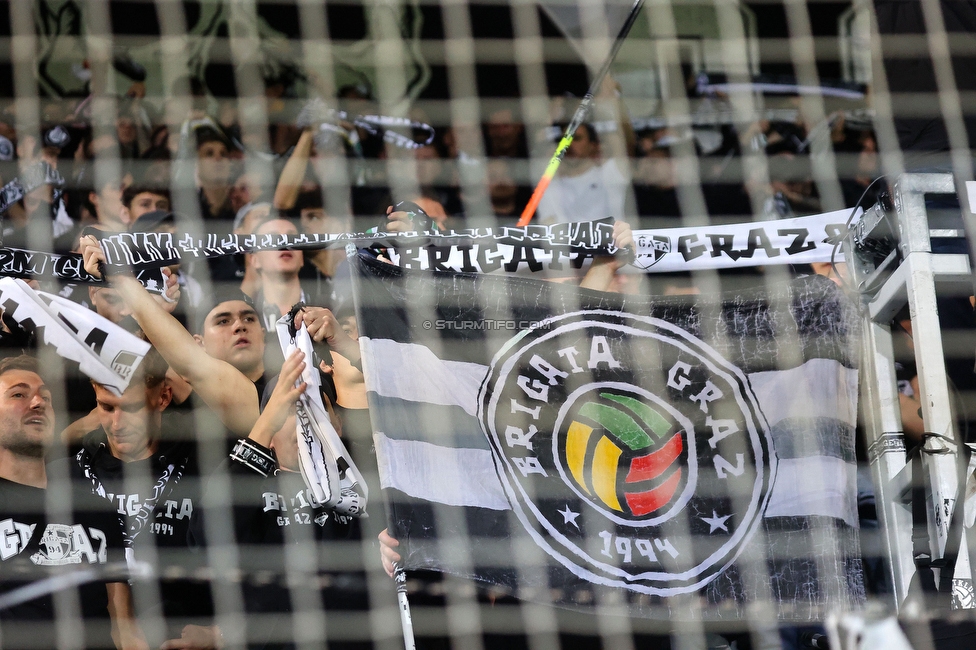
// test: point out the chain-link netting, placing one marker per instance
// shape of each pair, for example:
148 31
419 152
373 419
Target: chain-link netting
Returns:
665 413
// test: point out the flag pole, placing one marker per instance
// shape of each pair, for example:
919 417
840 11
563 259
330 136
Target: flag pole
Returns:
399 574
581 113
406 620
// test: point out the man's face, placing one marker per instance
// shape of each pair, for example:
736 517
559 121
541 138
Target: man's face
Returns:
503 131
26 416
212 163
241 193
583 146
350 326
428 165
232 332
144 202
130 421
278 262
39 197
108 303
125 130
501 187
110 201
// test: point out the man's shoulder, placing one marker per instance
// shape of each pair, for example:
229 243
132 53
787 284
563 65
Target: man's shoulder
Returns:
12 494
182 428
78 502
613 171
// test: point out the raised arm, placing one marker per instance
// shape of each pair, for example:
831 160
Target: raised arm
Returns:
601 272
281 404
290 181
620 143
222 386
323 326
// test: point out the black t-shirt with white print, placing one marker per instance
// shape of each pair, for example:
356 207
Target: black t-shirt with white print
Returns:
36 545
272 517
155 498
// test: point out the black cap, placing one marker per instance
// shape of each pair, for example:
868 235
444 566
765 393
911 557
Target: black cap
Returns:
220 294
152 220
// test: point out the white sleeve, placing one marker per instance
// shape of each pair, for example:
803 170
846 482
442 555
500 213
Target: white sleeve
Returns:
550 208
617 185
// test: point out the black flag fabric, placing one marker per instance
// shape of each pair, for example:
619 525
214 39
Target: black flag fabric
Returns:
676 457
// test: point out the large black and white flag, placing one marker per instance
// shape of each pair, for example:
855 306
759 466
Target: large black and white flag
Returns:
671 458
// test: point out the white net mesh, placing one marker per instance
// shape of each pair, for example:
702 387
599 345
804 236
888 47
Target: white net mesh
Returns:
750 522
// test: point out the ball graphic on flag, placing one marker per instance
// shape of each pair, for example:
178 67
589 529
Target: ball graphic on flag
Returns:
624 454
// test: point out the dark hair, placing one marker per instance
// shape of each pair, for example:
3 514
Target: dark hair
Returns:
590 130
153 368
308 200
221 294
205 134
133 191
20 362
345 312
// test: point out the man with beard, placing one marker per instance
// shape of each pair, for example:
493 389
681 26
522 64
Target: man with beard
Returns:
38 539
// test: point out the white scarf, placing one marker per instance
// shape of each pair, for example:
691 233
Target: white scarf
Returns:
326 466
104 351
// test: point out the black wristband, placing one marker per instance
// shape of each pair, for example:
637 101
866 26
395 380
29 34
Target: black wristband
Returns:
254 456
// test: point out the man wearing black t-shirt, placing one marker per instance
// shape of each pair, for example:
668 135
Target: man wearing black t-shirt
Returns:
274 515
40 540
147 466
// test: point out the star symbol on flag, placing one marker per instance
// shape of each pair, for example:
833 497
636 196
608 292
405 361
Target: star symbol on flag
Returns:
715 522
569 517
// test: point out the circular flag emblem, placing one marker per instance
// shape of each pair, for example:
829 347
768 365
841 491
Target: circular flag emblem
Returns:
633 453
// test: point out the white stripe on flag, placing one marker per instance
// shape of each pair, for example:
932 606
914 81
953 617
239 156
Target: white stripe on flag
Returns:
456 477
820 388
412 372
814 486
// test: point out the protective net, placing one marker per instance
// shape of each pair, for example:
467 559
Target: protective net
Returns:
621 415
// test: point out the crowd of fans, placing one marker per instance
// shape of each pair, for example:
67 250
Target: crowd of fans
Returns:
747 170
153 451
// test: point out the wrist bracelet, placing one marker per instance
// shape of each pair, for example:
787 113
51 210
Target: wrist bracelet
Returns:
254 456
